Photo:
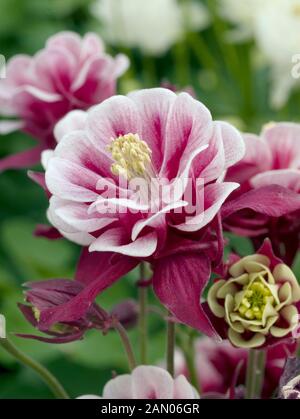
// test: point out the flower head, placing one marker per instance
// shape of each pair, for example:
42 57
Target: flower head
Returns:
258 302
271 159
49 294
69 73
148 382
126 181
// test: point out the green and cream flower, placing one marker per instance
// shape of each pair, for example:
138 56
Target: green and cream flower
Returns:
256 302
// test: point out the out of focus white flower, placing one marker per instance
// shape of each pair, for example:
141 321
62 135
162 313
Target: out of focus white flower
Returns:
153 26
277 34
2 327
242 14
275 26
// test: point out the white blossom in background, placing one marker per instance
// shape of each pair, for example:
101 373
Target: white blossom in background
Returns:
2 327
277 34
275 27
242 14
152 25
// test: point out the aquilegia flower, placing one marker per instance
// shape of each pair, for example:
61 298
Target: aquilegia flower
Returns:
273 158
151 135
258 303
69 73
47 294
147 382
153 26
220 366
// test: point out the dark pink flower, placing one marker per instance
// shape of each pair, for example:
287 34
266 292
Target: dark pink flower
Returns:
271 159
172 139
69 73
48 294
217 363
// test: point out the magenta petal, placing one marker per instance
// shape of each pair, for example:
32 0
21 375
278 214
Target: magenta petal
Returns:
273 200
98 271
22 159
94 266
179 283
267 250
48 232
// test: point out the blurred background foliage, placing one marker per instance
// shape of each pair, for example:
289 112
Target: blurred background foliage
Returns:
228 78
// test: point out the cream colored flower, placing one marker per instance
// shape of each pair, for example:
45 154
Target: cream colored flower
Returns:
257 302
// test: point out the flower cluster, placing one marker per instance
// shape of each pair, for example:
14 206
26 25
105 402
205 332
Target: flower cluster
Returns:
151 178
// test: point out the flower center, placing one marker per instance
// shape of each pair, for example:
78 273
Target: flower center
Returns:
255 299
131 155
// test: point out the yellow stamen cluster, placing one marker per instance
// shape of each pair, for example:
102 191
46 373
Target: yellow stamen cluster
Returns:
256 297
131 155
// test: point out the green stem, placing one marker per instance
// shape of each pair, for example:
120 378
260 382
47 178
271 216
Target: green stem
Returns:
127 345
182 67
189 353
143 298
260 372
44 374
255 373
149 71
170 346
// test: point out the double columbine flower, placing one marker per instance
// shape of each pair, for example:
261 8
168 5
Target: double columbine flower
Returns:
69 73
259 302
271 159
48 294
155 137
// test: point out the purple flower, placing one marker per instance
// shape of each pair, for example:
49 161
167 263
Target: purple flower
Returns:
48 294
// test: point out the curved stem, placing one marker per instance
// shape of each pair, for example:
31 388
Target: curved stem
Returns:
48 378
170 346
127 345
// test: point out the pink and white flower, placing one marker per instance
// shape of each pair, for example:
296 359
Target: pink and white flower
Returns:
147 382
69 73
150 134
273 158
